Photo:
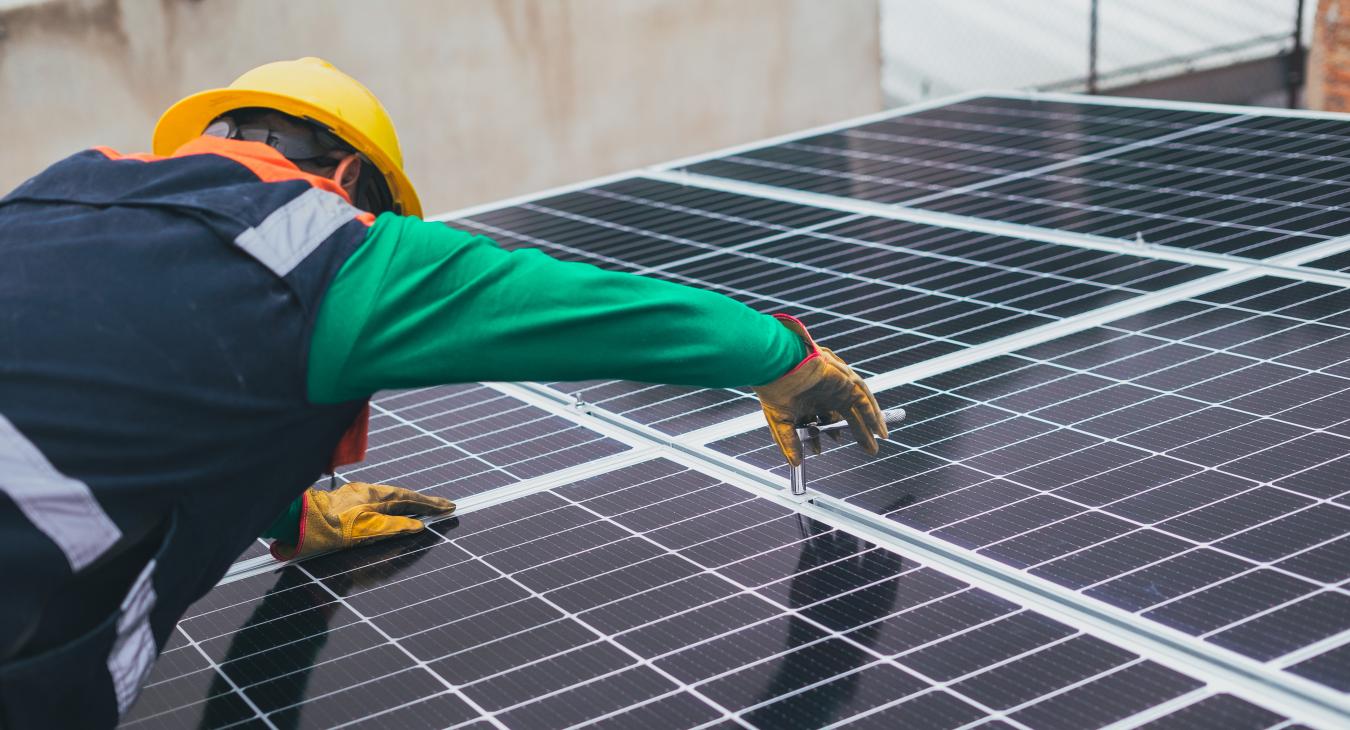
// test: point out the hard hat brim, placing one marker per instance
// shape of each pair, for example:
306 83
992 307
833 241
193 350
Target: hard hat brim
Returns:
186 120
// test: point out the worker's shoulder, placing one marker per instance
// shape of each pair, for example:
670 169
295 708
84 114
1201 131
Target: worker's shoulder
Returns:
414 231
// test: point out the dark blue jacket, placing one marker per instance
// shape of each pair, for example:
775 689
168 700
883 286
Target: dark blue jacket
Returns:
155 317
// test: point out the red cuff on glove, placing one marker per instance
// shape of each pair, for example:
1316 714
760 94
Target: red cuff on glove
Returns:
799 329
276 547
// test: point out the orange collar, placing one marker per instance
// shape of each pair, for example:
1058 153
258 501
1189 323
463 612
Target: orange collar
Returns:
265 162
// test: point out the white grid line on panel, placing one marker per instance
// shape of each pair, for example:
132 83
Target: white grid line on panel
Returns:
1140 635
1013 199
916 215
1076 118
1113 309
796 613
615 177
1256 565
823 129
404 706
907 113
1104 157
644 703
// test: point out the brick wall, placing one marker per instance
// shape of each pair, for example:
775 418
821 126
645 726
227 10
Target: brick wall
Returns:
1328 81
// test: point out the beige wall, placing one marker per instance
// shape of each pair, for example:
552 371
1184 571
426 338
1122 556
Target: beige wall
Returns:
492 99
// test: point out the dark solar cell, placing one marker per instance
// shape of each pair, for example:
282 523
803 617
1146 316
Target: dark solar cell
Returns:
1335 262
1107 699
1291 627
1331 668
1219 712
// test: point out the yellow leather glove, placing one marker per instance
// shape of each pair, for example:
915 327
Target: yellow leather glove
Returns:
821 388
357 513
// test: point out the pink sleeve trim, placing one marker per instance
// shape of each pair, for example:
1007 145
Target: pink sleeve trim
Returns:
805 335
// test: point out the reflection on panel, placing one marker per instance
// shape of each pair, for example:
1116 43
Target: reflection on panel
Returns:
1188 463
650 595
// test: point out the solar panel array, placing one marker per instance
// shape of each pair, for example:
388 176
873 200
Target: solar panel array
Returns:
1188 463
1232 183
1122 497
650 596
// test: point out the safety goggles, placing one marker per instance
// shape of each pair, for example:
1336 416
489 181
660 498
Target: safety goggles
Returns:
309 144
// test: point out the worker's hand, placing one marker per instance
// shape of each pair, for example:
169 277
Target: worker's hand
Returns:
821 388
357 513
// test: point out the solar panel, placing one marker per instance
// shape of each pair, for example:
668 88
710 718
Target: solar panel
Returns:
1242 184
883 293
917 156
650 595
1140 520
1188 463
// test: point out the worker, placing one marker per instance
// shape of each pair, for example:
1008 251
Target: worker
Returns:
189 339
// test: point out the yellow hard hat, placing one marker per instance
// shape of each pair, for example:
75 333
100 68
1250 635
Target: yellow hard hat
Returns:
308 88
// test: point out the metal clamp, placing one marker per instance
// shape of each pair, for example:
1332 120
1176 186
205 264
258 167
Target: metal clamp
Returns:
813 430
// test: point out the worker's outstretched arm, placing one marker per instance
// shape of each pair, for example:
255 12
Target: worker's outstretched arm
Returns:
421 304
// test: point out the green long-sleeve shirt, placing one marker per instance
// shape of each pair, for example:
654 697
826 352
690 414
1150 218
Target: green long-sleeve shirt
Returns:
421 304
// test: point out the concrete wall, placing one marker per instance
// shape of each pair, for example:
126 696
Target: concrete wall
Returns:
491 98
